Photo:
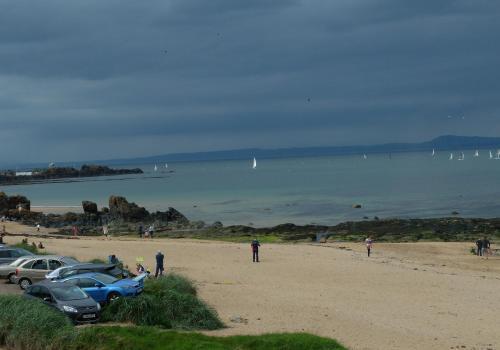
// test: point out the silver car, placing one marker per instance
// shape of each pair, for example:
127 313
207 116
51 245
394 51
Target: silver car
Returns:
10 254
34 270
9 271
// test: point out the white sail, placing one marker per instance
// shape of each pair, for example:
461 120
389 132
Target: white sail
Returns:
433 152
491 155
156 168
364 156
498 154
476 154
254 166
451 156
462 157
166 165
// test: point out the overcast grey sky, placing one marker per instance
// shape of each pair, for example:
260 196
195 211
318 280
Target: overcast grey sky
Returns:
101 79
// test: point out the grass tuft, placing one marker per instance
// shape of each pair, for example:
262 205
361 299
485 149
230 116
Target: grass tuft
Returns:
169 302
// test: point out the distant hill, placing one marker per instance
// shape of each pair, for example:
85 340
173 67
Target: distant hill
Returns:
441 143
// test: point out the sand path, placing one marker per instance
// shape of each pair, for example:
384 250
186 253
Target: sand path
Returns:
407 296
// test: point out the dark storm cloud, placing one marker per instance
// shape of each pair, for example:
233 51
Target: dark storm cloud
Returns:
98 79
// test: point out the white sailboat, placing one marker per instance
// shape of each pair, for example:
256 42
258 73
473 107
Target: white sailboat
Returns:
254 165
433 152
491 155
156 167
462 157
476 154
364 156
498 154
451 156
166 165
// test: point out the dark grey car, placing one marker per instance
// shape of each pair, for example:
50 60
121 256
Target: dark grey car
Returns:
67 298
10 254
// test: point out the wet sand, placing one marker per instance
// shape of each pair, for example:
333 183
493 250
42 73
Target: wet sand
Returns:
406 296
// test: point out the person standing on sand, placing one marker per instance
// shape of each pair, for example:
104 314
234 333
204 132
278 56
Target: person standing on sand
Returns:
159 264
37 227
255 250
140 230
479 245
369 245
486 247
75 231
151 230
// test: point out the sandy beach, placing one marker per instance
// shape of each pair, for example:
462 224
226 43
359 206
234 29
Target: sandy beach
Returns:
406 296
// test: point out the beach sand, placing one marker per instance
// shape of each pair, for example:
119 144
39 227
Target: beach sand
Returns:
406 296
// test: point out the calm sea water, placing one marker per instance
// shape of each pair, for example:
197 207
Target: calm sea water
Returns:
300 190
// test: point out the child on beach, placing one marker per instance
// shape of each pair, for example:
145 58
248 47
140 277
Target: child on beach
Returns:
369 245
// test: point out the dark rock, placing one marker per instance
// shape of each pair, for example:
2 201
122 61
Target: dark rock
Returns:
217 225
356 206
89 207
121 209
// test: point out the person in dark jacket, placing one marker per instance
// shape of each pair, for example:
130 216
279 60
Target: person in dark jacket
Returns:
159 264
486 247
255 250
479 245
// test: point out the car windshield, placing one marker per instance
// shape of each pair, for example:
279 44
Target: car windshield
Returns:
69 293
69 261
23 251
105 279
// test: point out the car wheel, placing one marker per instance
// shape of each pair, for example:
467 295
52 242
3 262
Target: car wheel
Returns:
24 283
113 296
11 278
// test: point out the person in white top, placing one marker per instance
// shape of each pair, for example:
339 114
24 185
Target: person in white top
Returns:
369 245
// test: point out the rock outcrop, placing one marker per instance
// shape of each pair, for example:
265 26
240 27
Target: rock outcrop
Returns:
121 209
89 207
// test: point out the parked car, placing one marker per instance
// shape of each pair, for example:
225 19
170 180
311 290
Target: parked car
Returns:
67 271
10 254
67 298
8 271
104 288
34 270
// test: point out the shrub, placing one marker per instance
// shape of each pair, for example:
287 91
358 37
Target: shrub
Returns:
29 248
169 302
29 324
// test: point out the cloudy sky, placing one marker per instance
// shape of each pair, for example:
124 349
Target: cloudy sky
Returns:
100 79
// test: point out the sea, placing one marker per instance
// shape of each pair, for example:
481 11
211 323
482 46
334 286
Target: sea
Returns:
312 190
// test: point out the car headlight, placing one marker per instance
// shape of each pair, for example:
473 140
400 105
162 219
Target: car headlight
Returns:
68 308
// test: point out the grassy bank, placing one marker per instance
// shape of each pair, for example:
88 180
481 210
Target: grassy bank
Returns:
127 338
31 325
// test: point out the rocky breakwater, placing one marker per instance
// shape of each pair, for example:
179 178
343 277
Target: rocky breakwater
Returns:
10 177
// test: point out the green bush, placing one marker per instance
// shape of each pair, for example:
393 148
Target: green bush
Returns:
169 302
29 324
29 248
138 338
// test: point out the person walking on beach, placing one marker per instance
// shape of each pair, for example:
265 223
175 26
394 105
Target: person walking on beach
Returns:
369 245
255 250
37 227
479 245
151 230
159 264
486 247
105 231
75 231
140 230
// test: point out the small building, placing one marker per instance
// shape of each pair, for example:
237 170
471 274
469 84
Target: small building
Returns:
24 173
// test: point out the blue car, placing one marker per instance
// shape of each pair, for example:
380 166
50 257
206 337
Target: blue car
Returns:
104 288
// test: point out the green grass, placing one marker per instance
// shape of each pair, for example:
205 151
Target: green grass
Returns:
169 302
29 324
138 338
